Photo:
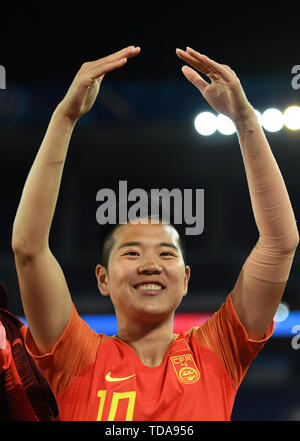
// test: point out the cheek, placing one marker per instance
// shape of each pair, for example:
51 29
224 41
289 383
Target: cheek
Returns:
176 273
119 274
181 279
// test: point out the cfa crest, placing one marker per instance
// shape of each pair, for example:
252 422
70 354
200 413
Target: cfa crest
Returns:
185 368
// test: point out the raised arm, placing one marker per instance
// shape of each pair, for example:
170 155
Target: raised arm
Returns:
45 295
262 280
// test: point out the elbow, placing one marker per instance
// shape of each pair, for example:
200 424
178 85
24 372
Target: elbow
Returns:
18 243
284 246
25 250
296 245
21 250
293 242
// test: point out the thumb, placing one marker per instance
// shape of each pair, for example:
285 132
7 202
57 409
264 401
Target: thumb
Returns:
194 78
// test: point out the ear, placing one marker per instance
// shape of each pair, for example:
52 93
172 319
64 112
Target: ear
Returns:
186 279
102 278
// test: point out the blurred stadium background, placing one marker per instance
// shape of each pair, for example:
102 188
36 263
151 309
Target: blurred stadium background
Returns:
141 130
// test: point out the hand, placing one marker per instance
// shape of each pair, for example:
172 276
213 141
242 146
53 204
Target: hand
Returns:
5 350
225 93
85 87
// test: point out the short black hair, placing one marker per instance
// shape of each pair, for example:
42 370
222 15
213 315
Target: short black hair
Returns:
106 231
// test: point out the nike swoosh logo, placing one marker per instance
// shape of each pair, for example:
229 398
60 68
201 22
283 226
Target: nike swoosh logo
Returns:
109 378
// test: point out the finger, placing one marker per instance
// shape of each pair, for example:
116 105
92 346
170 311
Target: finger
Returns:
215 67
197 64
107 64
200 63
129 52
194 78
107 67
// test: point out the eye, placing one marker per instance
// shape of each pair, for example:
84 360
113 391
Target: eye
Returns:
131 253
166 253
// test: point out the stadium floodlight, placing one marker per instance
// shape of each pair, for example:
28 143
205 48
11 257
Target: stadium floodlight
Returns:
259 116
205 123
291 117
272 120
282 312
225 125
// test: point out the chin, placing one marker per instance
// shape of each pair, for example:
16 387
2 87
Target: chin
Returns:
153 315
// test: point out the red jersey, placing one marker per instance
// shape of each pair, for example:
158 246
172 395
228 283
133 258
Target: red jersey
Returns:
95 377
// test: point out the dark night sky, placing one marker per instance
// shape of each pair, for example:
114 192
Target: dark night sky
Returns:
50 40
45 43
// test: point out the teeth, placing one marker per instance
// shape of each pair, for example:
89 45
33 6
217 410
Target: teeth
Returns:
149 287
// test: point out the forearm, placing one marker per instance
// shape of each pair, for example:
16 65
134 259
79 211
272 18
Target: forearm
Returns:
272 256
37 205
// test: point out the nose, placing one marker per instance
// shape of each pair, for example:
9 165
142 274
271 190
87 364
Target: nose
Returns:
149 268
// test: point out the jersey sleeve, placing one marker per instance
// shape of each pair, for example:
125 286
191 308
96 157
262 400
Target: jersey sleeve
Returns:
76 348
224 334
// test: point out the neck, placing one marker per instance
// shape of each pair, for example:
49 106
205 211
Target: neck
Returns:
150 342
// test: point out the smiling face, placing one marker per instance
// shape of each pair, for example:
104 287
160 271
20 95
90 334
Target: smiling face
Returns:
146 277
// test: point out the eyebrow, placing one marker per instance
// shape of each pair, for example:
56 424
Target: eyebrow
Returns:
161 244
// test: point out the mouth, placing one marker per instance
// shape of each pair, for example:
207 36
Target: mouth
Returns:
149 287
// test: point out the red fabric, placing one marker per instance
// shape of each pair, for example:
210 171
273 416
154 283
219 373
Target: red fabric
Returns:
96 377
24 392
